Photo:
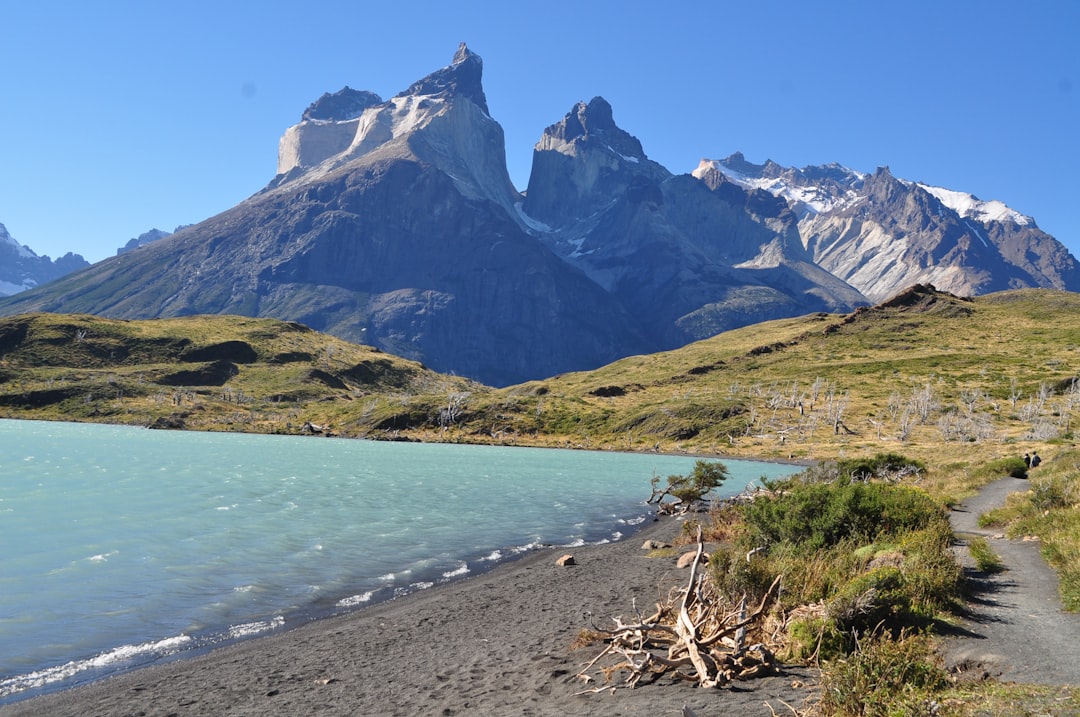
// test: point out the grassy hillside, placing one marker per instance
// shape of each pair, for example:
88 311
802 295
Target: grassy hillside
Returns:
937 377
203 372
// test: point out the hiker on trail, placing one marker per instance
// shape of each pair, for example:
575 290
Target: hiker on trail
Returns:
1035 460
1027 460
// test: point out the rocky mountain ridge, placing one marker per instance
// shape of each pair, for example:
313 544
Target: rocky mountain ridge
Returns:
22 269
394 223
881 233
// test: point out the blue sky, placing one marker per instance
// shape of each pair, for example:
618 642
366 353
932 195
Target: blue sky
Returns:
122 116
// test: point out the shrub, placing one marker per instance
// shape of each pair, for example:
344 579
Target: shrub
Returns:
816 516
877 598
881 465
1013 467
735 576
816 637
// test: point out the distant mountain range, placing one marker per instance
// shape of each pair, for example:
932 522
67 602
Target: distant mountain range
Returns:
22 269
394 223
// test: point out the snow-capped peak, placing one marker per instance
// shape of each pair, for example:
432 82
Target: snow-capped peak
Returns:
804 192
968 206
23 251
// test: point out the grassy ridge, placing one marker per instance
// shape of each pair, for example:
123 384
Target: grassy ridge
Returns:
930 373
202 372
944 379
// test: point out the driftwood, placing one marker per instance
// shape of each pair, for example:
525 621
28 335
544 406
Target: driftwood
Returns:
694 635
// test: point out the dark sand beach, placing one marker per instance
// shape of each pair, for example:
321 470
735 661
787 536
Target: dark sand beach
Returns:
497 643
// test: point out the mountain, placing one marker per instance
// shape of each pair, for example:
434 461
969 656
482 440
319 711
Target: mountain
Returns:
882 234
407 239
147 237
394 223
687 260
22 269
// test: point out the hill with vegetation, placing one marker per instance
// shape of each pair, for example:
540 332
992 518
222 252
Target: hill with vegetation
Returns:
937 376
202 372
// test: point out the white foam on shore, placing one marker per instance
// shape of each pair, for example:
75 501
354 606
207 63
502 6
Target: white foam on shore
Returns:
462 570
354 600
249 629
124 653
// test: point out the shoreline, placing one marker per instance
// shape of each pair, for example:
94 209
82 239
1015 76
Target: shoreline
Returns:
493 643
804 462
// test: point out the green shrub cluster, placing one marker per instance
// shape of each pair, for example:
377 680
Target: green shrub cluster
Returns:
1013 467
872 557
820 515
985 558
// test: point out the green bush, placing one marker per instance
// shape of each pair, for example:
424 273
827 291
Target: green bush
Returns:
1013 467
877 599
932 574
817 516
816 638
735 576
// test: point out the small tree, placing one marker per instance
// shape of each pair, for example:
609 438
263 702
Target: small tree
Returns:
690 489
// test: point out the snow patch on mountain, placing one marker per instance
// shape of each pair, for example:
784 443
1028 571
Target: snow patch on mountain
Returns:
806 196
969 206
20 250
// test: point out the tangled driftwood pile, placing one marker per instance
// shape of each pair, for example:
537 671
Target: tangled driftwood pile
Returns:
694 635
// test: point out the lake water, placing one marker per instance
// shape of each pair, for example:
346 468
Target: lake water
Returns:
120 546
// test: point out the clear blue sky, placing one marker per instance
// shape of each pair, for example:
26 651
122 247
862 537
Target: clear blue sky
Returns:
122 116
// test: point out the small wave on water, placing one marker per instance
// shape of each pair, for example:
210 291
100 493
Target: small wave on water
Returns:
462 569
250 629
110 660
356 600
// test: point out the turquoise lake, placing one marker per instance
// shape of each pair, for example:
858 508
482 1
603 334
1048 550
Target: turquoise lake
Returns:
120 546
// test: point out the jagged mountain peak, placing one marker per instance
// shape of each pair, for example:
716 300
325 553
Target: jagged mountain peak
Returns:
809 190
584 162
343 105
6 240
591 124
969 206
462 77
442 119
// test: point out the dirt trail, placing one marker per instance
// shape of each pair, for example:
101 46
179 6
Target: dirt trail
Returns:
1016 630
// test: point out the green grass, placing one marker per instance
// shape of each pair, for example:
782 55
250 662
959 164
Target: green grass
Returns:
986 560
